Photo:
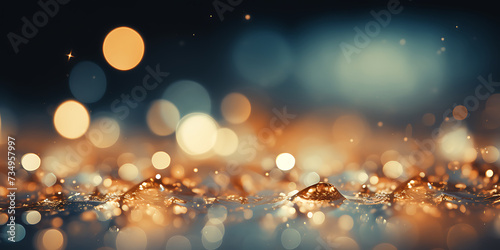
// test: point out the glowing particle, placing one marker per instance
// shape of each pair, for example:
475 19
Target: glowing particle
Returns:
32 217
285 161
402 41
71 119
160 160
128 171
247 17
393 169
489 173
30 162
195 170
197 133
346 222
318 218
70 55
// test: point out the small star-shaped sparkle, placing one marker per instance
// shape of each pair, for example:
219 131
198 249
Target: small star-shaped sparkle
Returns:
70 55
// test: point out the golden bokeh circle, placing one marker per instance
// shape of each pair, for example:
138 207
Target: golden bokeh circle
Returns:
123 48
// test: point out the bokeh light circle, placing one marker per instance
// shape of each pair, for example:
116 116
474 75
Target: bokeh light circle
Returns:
393 169
128 171
131 238
189 97
227 142
290 238
30 161
263 58
123 48
103 132
178 242
236 108
32 217
87 82
160 160
197 133
71 119
285 161
162 117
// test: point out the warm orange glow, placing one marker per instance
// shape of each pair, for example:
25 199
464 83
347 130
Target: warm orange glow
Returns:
236 108
123 48
460 112
71 119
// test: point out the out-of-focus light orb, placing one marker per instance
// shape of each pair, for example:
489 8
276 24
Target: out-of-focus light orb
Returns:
389 155
285 161
189 97
263 58
236 108
455 144
178 242
247 17
212 234
346 222
344 242
128 171
393 169
132 238
71 119
196 133
53 239
30 161
460 112
103 132
402 41
123 48
290 238
490 154
311 178
3 218
49 179
160 160
162 117
217 213
87 82
489 173
32 217
227 142
318 218
20 234
374 180
461 236
428 119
